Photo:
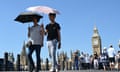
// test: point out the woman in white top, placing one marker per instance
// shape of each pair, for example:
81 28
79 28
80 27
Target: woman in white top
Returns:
36 34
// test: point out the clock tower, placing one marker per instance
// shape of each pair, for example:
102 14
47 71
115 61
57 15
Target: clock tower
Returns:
96 42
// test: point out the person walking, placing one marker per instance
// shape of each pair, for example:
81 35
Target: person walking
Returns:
96 64
104 59
76 60
111 56
82 60
53 38
36 34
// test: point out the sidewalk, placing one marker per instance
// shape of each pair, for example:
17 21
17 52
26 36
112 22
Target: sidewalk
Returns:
70 71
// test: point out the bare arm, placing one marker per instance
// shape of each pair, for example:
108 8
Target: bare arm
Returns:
59 36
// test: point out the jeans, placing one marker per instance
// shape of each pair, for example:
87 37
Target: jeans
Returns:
76 64
37 49
52 52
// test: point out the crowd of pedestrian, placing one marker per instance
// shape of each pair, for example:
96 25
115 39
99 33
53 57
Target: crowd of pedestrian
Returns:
109 59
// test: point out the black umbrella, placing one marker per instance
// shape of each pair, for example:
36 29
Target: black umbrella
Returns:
27 17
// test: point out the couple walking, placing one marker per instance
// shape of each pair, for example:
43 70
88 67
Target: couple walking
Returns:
36 33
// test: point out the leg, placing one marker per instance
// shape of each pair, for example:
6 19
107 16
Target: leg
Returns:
49 44
76 65
31 63
104 66
112 61
95 64
38 49
52 53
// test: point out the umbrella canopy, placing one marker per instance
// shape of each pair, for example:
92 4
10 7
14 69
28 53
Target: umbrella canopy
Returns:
27 17
43 9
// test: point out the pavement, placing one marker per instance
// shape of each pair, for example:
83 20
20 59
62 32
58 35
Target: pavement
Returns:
85 71
70 71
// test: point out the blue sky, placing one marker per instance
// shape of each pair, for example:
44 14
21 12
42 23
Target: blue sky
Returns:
77 20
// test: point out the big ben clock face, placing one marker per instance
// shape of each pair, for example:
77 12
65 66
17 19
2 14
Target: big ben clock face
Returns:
95 42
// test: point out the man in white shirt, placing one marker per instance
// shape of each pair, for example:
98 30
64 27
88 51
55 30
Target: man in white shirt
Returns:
36 34
111 55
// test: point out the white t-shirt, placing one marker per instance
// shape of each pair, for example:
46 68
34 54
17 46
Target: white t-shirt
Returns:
111 52
87 59
35 35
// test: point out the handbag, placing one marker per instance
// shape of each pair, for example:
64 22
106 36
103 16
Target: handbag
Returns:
29 42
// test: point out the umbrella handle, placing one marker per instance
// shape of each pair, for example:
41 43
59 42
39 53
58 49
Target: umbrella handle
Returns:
42 18
42 21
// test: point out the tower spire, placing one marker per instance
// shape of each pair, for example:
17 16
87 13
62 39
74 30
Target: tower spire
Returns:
95 30
23 56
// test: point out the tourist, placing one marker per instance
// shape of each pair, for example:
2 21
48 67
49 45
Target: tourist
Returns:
111 55
36 34
53 38
95 61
